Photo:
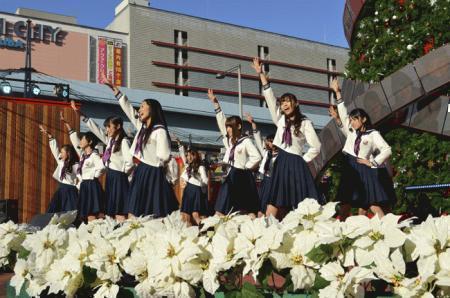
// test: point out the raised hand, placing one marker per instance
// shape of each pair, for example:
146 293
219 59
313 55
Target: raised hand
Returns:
173 136
44 130
74 106
332 111
61 117
257 65
249 118
335 86
211 96
110 84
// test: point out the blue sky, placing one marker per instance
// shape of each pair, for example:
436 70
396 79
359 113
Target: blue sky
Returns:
318 20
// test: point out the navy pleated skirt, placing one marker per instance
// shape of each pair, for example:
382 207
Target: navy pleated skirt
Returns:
151 193
238 193
64 199
91 199
292 181
264 193
362 186
194 200
116 190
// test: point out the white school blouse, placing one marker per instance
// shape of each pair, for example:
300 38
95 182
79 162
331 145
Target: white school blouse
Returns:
157 150
199 179
246 155
121 160
71 177
93 166
265 154
307 133
171 169
371 141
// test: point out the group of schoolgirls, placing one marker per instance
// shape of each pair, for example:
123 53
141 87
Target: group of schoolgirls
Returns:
281 161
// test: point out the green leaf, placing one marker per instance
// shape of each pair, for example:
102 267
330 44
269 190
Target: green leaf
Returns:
265 273
321 253
126 293
89 275
250 291
233 294
320 283
22 253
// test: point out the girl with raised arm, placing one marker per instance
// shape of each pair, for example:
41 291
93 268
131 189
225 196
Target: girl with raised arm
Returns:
117 160
238 192
292 180
91 198
150 192
365 182
66 196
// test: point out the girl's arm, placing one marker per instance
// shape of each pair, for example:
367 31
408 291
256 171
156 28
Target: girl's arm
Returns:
90 124
52 142
126 154
254 157
383 147
342 110
256 133
271 100
99 165
313 141
203 176
74 139
126 106
162 145
220 116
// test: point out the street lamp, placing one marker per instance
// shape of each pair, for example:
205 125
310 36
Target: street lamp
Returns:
223 74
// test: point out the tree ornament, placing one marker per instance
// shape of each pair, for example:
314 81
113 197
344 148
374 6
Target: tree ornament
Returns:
429 45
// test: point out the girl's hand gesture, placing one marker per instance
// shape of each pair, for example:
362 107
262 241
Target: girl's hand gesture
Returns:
249 118
257 65
211 96
335 86
110 84
332 111
74 106
66 124
44 130
364 162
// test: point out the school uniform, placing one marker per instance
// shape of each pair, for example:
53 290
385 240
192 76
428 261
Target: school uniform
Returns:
195 197
66 196
265 169
171 169
238 192
292 180
118 166
150 191
91 198
363 186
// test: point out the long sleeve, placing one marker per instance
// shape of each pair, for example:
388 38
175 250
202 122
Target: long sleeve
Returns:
383 147
203 175
127 156
130 111
312 140
75 141
271 101
254 157
182 154
258 141
343 114
221 119
54 148
162 145
95 129
99 166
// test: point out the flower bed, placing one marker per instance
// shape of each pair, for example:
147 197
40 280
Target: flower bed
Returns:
310 250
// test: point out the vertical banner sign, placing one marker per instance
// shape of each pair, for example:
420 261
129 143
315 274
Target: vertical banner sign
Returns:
101 58
118 78
110 60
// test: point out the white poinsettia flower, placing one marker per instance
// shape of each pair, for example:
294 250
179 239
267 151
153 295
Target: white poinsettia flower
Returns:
223 250
344 284
308 212
11 238
65 219
22 273
383 235
431 237
107 290
106 258
443 274
65 275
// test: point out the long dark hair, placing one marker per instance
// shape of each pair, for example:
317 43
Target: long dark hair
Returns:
115 120
196 160
360 114
157 118
298 116
72 157
234 122
91 139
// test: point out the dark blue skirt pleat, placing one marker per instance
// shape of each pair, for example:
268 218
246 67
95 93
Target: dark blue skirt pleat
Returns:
292 181
151 193
92 198
264 193
65 199
116 191
194 200
238 193
362 186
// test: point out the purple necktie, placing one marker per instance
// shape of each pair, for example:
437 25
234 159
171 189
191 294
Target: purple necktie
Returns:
287 137
140 140
268 160
233 148
83 159
189 171
107 155
359 135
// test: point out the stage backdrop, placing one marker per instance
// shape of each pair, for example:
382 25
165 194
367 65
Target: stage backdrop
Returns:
26 162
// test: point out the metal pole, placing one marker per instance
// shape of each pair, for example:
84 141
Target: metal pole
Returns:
240 90
27 83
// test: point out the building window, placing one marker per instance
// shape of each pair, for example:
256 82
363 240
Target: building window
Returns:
263 54
181 59
331 66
